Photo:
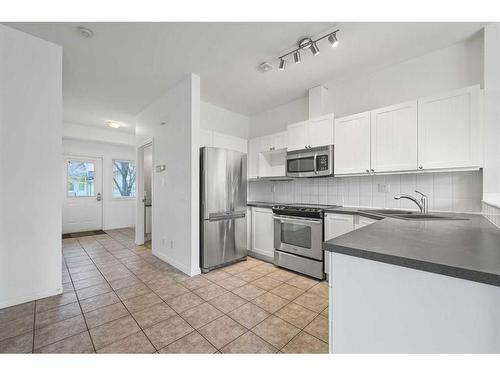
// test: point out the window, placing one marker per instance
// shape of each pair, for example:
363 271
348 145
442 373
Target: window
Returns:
81 176
123 178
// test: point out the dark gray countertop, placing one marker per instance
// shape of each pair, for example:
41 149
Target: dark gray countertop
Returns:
466 249
261 204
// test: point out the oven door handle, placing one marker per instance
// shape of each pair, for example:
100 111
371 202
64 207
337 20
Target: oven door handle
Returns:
297 220
315 159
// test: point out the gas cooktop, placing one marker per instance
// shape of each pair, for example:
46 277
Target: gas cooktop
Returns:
301 209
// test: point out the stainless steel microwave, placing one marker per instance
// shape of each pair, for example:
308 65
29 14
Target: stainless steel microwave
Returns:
310 162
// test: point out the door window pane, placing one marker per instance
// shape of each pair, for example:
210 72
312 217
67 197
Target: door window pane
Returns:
123 178
81 179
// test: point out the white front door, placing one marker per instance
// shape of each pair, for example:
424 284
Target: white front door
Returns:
82 203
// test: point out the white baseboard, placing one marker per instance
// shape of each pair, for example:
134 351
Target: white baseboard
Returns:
172 262
31 297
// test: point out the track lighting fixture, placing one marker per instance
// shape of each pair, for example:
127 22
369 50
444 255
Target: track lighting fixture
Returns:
303 44
332 38
296 57
282 64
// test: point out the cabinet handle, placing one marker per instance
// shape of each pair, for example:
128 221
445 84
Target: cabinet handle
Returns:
367 171
420 167
373 170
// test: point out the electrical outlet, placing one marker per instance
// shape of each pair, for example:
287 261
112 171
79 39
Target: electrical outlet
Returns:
171 244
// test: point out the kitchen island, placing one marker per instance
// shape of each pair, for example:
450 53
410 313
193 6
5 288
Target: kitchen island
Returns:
404 286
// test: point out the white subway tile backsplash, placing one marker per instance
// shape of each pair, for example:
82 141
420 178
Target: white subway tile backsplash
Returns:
447 191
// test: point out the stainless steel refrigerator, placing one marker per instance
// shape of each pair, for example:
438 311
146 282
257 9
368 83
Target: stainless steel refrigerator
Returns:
223 188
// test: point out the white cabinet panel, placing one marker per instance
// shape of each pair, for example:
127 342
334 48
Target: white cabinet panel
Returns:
352 144
229 142
206 138
249 228
394 138
338 224
297 136
253 157
280 140
449 130
263 231
320 131
362 221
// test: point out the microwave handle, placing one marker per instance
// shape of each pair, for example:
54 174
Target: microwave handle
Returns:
315 167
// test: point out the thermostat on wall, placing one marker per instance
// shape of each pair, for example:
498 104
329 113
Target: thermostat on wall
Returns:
160 168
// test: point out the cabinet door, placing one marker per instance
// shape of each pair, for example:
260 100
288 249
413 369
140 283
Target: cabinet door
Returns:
338 224
394 138
449 130
297 136
352 144
229 142
280 140
266 143
263 231
320 131
363 222
206 138
249 228
253 157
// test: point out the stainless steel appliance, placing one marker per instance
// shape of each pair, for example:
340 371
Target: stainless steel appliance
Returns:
223 191
310 162
298 235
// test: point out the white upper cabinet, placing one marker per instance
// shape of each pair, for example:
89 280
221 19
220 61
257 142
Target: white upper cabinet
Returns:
311 133
394 138
297 136
253 157
273 142
320 131
229 142
352 144
206 138
449 131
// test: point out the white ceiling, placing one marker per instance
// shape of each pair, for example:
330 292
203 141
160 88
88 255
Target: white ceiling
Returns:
126 66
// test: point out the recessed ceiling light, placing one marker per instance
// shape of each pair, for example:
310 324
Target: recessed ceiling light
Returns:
85 32
113 124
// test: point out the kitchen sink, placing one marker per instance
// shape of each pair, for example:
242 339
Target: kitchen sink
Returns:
410 215
419 216
389 212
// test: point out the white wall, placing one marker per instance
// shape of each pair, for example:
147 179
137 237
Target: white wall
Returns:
175 190
92 133
30 159
117 212
492 113
450 68
223 121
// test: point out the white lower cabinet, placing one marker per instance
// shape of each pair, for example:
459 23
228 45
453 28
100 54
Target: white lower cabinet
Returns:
339 224
249 228
263 231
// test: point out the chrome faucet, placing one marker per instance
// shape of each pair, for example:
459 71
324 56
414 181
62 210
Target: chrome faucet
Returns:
422 203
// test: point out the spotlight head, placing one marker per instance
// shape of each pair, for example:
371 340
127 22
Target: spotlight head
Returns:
314 49
282 65
332 38
296 57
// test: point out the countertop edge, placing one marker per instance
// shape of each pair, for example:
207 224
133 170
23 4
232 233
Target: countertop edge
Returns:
441 269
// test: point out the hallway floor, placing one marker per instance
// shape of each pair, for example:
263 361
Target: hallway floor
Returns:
119 298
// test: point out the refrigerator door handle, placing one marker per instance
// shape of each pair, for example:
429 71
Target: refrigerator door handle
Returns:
226 216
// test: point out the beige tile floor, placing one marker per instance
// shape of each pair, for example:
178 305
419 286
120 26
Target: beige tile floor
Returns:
119 298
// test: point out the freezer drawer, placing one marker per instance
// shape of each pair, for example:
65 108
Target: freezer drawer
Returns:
223 241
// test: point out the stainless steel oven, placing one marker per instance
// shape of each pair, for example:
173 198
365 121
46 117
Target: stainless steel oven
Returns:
299 236
310 162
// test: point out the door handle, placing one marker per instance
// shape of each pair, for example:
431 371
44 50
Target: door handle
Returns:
314 161
99 197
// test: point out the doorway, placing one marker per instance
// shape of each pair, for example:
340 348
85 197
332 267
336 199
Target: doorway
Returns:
144 216
82 201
